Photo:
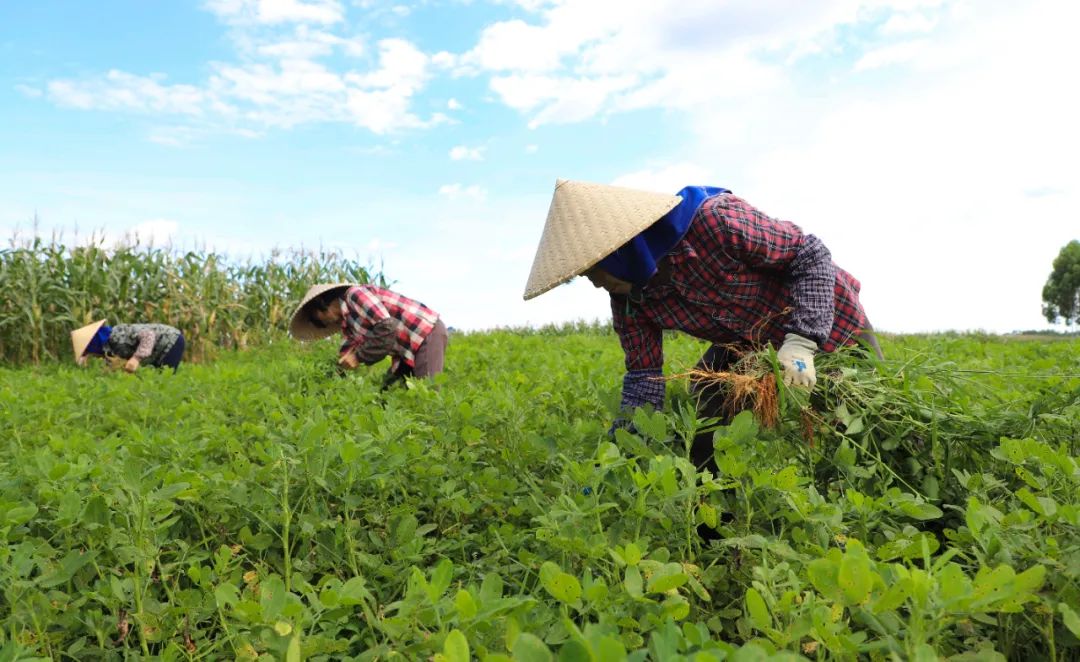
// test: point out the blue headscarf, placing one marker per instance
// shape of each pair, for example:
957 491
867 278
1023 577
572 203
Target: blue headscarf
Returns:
97 343
635 261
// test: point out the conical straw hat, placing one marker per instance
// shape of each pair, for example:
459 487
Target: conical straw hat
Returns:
300 327
81 337
587 222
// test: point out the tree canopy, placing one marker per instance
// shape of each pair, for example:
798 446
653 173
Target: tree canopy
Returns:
1061 294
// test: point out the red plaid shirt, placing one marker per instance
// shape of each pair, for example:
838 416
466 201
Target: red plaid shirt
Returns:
739 276
366 305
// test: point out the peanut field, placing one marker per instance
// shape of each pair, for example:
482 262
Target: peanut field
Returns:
261 506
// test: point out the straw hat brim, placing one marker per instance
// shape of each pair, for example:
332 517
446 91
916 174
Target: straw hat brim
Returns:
586 222
300 327
81 337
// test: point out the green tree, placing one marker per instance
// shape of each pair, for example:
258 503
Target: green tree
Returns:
1061 294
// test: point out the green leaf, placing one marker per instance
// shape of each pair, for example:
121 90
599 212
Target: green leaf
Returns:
529 648
855 576
72 562
608 649
856 425
1031 579
491 588
743 428
564 587
353 592
953 584
21 514
758 611
440 579
667 577
1069 617
404 529
651 424
574 651
925 653
465 604
456 647
920 511
272 597
708 515
632 582
292 653
349 452
226 595
893 597
823 574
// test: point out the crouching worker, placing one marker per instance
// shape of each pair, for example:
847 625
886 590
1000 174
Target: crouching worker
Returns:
375 323
157 345
709 264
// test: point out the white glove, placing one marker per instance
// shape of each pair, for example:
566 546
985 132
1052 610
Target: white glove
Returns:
797 357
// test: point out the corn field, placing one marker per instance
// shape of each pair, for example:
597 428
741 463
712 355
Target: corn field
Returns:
50 289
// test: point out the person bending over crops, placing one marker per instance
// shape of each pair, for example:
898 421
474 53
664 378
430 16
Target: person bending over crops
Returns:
375 323
157 345
704 262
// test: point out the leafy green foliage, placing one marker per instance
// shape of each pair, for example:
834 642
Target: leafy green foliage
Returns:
258 508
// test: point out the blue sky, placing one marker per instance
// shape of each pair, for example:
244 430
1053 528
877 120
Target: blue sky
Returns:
930 143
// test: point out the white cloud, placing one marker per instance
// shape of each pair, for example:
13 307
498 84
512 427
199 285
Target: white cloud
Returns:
155 232
378 245
119 90
518 46
380 100
557 100
583 58
923 187
460 192
532 149
174 136
306 43
900 24
900 53
444 60
401 65
278 11
667 179
454 104
464 153
290 88
28 91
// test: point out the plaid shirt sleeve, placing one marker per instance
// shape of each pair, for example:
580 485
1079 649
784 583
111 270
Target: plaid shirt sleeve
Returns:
642 341
379 342
759 241
643 344
363 309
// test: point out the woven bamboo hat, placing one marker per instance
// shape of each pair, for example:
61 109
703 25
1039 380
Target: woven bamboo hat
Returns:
81 337
300 327
587 222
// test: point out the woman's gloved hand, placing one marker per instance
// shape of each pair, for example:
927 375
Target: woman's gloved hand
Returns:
796 355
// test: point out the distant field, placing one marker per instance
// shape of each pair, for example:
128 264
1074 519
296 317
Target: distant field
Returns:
261 506
219 304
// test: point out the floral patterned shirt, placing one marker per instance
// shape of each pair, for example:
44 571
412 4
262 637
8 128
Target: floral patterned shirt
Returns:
147 342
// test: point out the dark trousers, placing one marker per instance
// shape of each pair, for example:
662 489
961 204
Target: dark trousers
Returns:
427 362
174 356
710 402
429 358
